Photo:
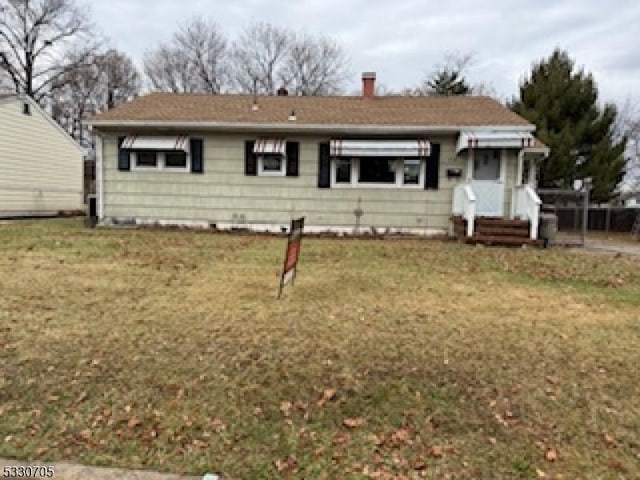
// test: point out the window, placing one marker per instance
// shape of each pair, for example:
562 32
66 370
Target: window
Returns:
377 170
146 159
411 173
174 160
177 159
343 170
486 164
26 108
271 164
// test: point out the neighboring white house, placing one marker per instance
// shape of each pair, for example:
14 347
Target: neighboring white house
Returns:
629 188
40 164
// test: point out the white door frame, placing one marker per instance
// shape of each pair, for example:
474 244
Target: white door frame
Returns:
490 193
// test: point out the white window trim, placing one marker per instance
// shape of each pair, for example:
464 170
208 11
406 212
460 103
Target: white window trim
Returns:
272 173
399 170
160 164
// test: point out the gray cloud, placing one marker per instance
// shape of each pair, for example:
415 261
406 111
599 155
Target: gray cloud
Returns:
403 40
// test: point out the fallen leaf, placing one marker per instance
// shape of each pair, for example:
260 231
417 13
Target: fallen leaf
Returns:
493 440
285 408
81 398
133 422
377 440
437 451
402 435
552 379
341 438
540 473
609 440
551 455
353 422
327 395
286 463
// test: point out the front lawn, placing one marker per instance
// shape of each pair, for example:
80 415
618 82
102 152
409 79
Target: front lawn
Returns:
388 359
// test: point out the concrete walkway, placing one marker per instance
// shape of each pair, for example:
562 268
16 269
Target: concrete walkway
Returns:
66 471
612 246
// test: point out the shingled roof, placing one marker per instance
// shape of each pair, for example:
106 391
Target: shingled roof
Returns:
458 111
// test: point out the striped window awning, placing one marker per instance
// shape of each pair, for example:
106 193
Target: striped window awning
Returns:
380 148
276 146
135 142
494 139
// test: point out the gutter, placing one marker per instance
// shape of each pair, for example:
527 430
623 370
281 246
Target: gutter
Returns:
294 127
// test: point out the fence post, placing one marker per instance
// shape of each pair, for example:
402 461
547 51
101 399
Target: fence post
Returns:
585 212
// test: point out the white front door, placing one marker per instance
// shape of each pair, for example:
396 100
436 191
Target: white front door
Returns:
488 184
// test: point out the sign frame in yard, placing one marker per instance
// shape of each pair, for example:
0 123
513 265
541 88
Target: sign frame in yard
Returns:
292 254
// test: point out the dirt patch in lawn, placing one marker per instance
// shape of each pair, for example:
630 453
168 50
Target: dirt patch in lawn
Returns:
388 359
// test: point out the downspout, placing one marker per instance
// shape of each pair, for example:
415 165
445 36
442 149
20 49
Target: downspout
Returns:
99 177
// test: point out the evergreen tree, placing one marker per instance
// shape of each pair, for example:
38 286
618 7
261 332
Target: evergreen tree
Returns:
448 82
563 104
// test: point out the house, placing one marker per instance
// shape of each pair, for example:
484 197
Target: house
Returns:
359 163
629 188
40 164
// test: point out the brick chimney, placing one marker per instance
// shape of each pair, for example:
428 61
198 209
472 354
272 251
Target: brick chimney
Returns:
369 84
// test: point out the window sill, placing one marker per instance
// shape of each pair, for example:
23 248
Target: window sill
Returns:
162 170
377 186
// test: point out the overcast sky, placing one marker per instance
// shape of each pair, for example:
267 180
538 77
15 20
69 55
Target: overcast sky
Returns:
402 40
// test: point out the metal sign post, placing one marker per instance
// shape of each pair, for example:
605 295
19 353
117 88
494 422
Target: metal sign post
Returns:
292 254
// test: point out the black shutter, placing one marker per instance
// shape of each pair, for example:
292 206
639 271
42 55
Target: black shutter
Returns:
124 162
433 168
324 166
197 155
293 156
250 160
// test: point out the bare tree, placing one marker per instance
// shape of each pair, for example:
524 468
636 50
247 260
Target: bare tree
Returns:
35 37
103 81
119 80
260 55
195 60
267 57
628 120
315 66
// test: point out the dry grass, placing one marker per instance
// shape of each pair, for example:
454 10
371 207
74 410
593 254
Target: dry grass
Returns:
388 359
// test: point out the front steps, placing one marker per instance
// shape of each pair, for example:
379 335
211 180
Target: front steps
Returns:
495 231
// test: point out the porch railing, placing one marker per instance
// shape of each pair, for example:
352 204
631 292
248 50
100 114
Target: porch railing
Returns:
526 206
464 204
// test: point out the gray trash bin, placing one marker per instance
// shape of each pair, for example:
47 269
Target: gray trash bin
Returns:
548 228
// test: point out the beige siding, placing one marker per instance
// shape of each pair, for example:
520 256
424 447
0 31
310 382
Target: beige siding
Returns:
223 194
40 167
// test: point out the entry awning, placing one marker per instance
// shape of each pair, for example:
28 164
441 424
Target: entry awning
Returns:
270 145
493 139
380 148
135 142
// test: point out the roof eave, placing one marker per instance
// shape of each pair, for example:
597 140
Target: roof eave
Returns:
301 127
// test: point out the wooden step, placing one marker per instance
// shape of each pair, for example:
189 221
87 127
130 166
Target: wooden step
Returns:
506 231
501 222
506 241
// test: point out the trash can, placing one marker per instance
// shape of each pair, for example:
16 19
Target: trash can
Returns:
548 228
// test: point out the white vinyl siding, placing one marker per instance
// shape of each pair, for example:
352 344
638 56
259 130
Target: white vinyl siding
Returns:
40 167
